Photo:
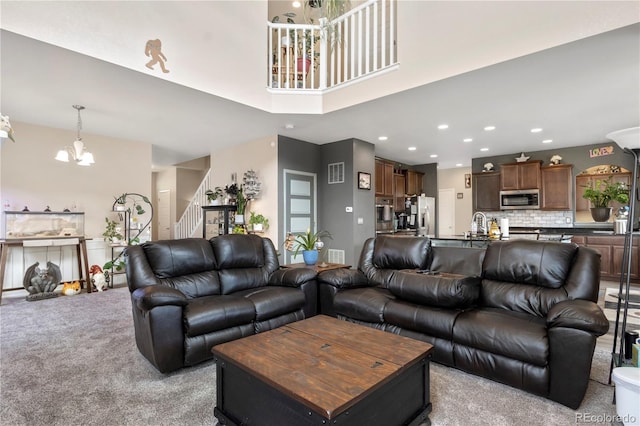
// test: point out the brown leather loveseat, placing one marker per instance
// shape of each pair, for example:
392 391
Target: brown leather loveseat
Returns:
191 294
520 312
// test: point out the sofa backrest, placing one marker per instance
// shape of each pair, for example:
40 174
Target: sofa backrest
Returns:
186 264
531 276
382 256
244 261
457 260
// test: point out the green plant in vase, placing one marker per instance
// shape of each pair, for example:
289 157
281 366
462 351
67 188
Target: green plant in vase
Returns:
258 222
307 242
602 194
241 205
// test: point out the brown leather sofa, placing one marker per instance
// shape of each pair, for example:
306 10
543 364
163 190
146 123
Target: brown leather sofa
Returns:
191 294
520 312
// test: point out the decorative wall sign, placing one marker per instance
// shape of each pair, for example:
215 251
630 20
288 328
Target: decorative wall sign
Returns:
364 180
600 152
153 49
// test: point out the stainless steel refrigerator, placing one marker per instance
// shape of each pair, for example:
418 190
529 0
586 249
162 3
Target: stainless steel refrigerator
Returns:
422 215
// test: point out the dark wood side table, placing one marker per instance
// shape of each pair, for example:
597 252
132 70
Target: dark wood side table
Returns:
318 267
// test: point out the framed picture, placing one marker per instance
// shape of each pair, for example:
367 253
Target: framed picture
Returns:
364 180
467 180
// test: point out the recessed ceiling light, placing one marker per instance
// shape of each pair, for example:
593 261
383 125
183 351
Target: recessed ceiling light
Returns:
434 156
289 126
382 138
484 149
459 165
536 130
467 140
296 4
489 128
443 126
547 141
412 148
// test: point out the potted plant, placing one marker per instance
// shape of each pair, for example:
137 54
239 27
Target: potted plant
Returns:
241 203
214 197
309 244
112 232
232 192
602 194
258 222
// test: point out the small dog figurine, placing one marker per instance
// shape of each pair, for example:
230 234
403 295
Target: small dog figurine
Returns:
555 160
71 288
98 279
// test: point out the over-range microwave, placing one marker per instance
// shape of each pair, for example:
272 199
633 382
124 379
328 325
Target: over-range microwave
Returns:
520 199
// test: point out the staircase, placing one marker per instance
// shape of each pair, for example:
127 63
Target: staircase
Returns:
191 220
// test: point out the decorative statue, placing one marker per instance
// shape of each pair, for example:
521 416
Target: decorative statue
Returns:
98 278
41 282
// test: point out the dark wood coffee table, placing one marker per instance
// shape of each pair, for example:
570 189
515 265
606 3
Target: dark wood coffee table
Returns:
323 371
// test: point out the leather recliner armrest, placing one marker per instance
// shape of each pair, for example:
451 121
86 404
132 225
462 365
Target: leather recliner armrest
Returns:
344 278
292 277
579 314
147 298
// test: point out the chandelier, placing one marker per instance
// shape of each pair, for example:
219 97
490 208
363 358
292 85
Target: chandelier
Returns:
77 152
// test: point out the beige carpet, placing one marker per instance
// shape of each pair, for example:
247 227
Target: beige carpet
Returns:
73 361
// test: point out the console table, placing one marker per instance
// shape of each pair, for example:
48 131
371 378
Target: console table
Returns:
81 254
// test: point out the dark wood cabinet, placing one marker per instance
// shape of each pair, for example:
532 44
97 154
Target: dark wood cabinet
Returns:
556 187
486 191
398 192
611 249
384 178
520 175
413 182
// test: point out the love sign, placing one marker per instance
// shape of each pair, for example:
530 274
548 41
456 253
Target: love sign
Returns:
600 152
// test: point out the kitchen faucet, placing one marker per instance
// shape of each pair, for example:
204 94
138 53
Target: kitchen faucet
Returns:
480 220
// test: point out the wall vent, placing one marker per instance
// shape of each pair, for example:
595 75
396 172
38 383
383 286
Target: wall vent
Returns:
336 173
335 256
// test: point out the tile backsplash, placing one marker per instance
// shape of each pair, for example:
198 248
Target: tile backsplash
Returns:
535 218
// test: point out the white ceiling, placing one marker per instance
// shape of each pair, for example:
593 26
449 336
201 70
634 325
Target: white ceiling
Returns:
577 91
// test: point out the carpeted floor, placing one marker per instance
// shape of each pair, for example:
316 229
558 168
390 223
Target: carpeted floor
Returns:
73 361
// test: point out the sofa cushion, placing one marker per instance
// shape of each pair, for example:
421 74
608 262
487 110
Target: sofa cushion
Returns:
457 260
540 263
238 251
173 258
363 304
401 253
429 320
442 290
513 335
270 302
213 313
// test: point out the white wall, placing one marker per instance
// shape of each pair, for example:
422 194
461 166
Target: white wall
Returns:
454 178
30 176
262 156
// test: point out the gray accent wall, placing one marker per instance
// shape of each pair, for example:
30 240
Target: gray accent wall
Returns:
333 199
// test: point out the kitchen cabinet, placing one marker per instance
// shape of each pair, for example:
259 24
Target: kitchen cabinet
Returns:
413 183
520 175
398 192
384 178
485 189
556 184
611 249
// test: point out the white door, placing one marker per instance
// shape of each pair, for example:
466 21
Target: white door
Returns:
164 214
446 211
299 206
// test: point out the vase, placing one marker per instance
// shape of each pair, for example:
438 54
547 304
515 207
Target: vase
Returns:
310 256
239 219
304 64
600 214
215 202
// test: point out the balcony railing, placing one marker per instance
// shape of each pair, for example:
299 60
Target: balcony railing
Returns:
358 44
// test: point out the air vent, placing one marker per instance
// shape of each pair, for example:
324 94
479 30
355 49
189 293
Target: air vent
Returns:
335 256
336 173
